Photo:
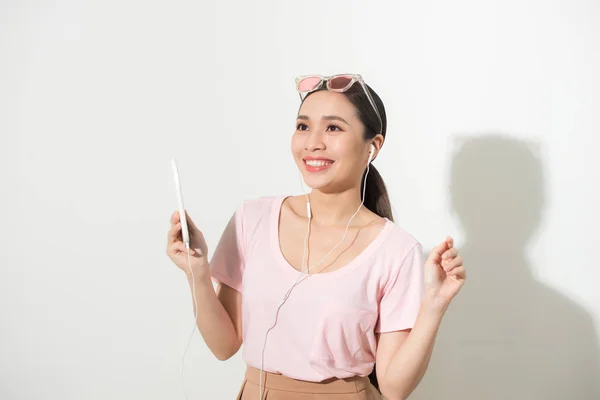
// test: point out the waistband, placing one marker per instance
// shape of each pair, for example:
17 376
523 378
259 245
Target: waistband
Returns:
273 381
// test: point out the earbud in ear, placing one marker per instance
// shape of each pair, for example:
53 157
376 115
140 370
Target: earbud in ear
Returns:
371 152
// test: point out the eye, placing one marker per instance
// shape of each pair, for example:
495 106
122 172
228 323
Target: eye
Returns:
301 127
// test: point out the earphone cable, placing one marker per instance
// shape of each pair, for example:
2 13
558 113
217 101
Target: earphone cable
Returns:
308 269
187 246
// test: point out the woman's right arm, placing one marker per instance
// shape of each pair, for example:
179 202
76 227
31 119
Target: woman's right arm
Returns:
219 314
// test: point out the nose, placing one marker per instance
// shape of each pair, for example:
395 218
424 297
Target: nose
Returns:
314 141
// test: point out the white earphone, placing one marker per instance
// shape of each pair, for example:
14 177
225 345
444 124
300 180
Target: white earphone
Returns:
309 214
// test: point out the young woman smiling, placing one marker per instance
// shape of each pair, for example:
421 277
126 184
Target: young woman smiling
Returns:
329 296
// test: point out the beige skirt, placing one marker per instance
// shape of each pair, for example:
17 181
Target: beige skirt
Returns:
280 387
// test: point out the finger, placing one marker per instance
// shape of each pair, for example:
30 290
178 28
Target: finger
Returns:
179 246
450 254
459 273
450 264
437 251
175 217
440 249
174 235
453 263
450 241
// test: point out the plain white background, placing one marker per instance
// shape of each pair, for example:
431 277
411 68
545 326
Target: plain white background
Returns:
492 132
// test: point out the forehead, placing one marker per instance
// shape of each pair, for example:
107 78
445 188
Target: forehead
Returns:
325 102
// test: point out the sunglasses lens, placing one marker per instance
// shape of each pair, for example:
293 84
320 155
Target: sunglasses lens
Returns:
308 84
340 82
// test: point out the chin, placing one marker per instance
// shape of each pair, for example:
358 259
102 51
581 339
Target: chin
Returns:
322 183
316 186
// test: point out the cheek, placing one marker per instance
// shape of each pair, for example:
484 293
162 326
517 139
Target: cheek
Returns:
296 146
343 151
351 161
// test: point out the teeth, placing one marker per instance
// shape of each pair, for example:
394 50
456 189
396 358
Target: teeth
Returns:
318 163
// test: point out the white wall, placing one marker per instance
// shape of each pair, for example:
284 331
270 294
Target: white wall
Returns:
492 110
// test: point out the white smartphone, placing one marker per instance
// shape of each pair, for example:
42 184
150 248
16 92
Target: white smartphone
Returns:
182 217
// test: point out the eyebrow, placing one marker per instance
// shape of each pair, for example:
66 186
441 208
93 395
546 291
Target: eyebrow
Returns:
325 117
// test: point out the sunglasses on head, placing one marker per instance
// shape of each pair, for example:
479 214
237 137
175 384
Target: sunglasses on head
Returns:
335 83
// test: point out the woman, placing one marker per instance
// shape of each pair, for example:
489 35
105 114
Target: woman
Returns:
318 295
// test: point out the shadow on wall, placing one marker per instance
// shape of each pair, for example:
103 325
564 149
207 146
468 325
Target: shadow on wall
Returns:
506 335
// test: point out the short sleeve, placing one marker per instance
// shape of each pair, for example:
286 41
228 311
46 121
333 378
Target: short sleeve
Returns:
402 294
228 260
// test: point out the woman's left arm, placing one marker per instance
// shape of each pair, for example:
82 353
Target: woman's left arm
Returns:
403 356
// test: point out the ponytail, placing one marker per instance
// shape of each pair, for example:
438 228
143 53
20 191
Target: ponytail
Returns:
376 196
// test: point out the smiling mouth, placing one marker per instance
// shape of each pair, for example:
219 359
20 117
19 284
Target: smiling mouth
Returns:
318 163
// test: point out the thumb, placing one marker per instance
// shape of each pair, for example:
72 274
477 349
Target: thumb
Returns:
436 253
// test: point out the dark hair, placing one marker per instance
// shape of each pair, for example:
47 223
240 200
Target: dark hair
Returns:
376 196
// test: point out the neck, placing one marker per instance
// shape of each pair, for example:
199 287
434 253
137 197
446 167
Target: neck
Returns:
336 209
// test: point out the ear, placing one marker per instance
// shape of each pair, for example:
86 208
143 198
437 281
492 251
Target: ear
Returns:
375 146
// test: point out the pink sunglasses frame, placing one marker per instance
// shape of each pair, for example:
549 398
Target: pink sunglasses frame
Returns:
326 79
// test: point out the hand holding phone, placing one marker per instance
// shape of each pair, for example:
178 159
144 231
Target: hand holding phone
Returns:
184 228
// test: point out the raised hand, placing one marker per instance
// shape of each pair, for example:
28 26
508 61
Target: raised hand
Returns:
445 273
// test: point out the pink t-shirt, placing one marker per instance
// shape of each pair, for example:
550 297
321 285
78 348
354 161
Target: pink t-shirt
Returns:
327 326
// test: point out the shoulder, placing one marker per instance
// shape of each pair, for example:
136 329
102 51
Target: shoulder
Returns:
258 205
253 210
399 248
399 243
401 236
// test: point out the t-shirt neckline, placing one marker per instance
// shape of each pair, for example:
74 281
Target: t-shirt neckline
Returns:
351 265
